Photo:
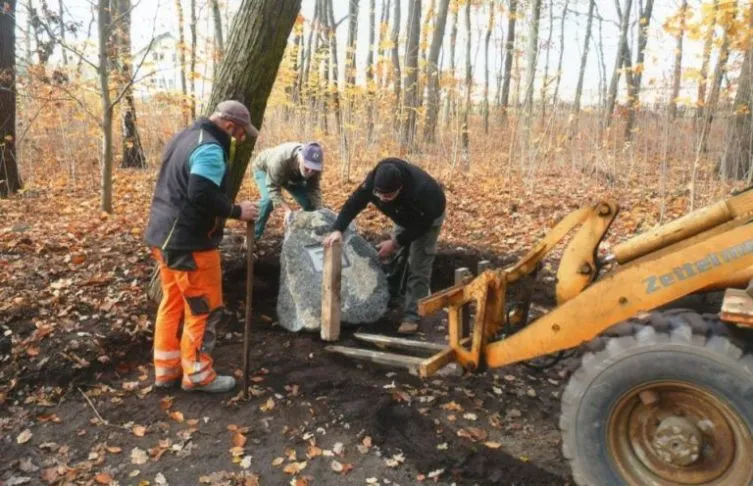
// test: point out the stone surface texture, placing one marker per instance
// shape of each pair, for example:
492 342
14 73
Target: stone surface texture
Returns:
364 292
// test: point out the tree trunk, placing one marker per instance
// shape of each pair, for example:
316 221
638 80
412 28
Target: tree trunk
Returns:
61 23
133 152
410 95
716 85
103 28
370 83
509 57
344 146
582 71
382 53
218 40
487 40
423 48
677 74
619 59
602 65
397 77
704 73
310 51
450 99
548 47
634 89
737 160
531 55
10 180
432 73
255 48
192 71
556 95
350 63
182 58
465 134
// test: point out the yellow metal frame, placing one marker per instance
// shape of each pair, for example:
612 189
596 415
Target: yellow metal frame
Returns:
718 245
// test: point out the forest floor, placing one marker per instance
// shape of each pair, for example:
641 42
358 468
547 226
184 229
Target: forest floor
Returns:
76 401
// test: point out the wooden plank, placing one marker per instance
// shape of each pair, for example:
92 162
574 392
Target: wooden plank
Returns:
430 366
462 277
390 359
737 307
439 300
400 343
331 280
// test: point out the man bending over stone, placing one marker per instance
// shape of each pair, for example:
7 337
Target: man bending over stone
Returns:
415 202
294 166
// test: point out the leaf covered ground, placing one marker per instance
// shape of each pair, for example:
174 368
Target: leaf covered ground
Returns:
76 401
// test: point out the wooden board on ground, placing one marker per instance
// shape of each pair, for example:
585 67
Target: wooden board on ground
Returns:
400 343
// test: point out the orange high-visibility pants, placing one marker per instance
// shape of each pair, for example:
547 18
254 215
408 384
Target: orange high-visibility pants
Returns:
195 297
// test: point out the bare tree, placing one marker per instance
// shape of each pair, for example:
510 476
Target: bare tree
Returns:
10 179
432 73
133 152
555 96
370 88
465 130
350 58
344 147
545 81
619 59
582 70
531 56
182 58
383 53
450 98
61 24
192 70
487 41
509 57
727 21
103 27
677 73
410 96
634 88
397 77
704 73
218 41
737 160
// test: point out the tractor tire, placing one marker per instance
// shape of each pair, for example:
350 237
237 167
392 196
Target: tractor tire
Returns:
666 399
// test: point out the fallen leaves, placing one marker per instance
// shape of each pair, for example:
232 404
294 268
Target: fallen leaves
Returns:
294 467
473 433
103 478
138 430
268 405
138 456
24 436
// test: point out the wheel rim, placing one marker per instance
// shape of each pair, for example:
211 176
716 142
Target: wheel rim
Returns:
679 433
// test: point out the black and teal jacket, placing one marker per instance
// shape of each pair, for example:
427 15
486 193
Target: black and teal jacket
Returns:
190 205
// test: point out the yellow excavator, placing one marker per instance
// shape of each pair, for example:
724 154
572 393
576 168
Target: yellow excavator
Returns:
663 395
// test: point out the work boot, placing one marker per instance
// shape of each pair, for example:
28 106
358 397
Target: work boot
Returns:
166 385
220 384
408 327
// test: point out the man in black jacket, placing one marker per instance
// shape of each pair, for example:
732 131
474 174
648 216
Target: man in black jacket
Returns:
186 224
415 202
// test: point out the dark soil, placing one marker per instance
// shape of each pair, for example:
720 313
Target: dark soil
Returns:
408 429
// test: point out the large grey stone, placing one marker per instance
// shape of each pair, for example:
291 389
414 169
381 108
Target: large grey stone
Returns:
364 292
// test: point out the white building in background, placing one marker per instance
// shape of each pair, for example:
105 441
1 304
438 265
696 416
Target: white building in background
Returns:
160 72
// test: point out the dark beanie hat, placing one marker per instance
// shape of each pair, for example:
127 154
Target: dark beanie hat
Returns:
387 179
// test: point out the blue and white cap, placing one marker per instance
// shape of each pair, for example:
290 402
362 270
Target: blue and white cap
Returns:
313 156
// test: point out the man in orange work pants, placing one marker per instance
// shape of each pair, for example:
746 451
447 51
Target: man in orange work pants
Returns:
186 224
